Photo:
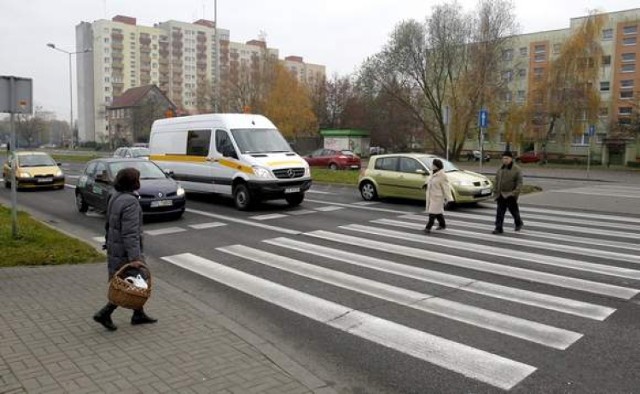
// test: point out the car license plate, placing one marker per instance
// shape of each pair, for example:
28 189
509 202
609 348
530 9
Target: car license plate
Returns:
161 203
292 190
485 191
45 180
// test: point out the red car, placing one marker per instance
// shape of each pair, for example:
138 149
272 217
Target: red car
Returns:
529 157
333 159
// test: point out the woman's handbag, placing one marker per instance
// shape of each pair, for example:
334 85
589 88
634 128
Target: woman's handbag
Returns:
124 293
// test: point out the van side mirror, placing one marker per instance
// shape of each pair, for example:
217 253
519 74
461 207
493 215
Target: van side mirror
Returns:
228 151
102 177
169 173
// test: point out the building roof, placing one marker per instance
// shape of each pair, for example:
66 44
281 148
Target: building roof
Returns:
344 133
133 97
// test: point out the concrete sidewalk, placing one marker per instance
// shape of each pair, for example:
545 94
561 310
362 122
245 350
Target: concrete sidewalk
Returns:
50 344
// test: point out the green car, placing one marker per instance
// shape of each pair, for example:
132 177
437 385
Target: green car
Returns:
403 175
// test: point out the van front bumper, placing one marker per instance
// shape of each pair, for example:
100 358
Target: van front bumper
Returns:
274 190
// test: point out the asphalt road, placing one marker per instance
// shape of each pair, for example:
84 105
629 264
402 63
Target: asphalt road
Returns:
358 294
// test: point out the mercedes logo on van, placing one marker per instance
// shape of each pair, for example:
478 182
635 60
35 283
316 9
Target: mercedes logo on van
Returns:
290 173
160 194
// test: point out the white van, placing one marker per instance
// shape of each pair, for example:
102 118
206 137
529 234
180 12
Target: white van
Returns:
240 155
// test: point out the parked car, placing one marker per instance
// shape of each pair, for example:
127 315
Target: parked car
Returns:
475 156
132 152
529 157
333 159
34 170
160 195
404 174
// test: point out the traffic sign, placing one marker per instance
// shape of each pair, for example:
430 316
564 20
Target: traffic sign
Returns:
483 118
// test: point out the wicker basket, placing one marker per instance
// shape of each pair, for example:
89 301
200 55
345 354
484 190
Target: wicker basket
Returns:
126 295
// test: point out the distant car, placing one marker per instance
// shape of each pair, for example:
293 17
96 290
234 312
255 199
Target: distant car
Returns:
34 170
132 152
475 156
376 150
160 195
529 157
333 159
402 175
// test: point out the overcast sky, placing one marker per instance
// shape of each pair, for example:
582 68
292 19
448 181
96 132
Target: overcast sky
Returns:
337 33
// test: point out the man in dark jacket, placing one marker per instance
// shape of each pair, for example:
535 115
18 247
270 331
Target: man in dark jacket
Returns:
124 239
506 192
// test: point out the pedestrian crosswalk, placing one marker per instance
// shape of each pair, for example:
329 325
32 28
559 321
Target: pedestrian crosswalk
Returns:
549 285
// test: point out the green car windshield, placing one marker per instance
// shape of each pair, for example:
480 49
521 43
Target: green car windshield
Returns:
147 169
447 165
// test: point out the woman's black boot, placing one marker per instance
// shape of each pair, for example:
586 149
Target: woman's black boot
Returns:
103 316
139 317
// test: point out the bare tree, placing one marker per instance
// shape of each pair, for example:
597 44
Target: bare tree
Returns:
30 128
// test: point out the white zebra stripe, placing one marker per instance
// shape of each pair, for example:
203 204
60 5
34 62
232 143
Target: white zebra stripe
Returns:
466 360
542 334
526 297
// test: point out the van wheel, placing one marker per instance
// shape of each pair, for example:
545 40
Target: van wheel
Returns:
294 199
242 197
368 191
81 204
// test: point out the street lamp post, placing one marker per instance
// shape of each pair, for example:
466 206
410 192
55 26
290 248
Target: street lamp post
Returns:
53 46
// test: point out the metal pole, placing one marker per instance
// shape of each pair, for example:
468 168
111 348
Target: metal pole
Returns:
71 144
12 146
481 148
217 60
446 114
588 156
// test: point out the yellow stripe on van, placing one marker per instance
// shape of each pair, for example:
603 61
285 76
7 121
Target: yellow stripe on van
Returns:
285 163
185 158
236 166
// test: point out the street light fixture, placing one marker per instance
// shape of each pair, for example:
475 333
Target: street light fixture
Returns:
53 46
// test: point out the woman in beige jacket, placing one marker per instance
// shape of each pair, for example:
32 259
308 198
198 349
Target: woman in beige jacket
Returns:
438 194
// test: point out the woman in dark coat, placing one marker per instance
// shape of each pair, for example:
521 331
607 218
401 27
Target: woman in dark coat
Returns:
124 239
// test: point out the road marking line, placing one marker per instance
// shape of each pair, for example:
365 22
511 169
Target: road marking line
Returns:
520 241
301 212
243 221
100 240
588 215
538 234
468 361
338 204
165 231
328 209
552 226
588 286
268 216
527 330
540 300
69 186
202 226
365 203
596 193
317 192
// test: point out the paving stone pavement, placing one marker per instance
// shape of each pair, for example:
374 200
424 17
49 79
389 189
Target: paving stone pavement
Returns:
50 344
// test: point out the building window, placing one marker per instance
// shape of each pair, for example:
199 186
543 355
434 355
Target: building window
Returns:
537 72
508 96
521 96
524 51
628 57
626 94
624 111
106 40
540 48
630 29
605 86
507 55
606 60
581 139
607 34
540 57
556 48
107 79
626 84
629 41
107 89
628 68
507 76
522 72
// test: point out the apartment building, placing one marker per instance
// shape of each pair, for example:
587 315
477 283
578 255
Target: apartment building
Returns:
528 60
182 59
306 73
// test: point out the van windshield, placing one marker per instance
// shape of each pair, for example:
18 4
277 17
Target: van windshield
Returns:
260 141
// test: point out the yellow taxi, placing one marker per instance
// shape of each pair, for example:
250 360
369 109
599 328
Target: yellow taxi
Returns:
33 170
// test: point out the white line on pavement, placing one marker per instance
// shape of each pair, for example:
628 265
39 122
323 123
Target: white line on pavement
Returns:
468 361
268 216
202 226
483 266
542 334
243 221
165 231
540 300
329 209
